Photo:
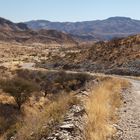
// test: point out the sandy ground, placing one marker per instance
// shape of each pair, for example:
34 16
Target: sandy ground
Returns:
129 124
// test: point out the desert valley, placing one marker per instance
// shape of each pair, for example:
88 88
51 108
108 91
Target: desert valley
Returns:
70 80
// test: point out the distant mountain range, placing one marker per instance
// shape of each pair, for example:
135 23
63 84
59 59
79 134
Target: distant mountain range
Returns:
43 31
114 27
19 32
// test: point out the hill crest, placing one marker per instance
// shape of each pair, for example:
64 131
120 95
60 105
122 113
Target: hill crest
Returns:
92 30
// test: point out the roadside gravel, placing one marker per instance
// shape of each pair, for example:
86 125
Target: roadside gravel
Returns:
129 123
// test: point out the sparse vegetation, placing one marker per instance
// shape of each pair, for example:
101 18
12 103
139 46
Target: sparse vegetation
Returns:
40 124
23 72
29 124
55 82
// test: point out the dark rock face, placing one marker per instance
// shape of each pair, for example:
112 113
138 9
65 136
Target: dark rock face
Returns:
92 30
3 21
22 26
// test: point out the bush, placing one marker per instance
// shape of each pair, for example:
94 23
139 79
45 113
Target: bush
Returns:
55 82
19 88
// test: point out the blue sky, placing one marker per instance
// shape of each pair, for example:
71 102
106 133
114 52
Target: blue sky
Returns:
68 10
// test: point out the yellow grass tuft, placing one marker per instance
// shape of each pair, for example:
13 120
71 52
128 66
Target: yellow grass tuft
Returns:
101 107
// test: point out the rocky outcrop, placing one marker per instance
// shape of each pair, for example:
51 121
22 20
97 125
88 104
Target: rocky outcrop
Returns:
73 126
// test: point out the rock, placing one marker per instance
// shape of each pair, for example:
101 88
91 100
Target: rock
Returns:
12 138
68 127
51 138
85 93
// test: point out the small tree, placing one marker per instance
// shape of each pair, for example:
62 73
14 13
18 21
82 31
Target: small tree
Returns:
19 88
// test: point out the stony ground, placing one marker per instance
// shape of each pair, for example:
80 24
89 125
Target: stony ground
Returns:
72 128
129 124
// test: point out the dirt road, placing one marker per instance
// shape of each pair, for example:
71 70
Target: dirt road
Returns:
129 124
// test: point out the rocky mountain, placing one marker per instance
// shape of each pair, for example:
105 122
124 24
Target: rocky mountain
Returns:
19 32
10 26
107 29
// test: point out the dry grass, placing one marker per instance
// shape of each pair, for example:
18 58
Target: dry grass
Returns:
41 123
101 109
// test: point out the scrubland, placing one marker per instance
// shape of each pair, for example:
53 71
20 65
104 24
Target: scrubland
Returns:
36 90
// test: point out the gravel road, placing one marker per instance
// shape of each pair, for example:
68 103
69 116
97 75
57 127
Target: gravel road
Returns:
129 124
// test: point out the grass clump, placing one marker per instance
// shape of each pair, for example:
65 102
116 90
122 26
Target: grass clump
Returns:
101 109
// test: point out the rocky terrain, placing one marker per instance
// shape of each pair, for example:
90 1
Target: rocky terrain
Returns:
92 30
73 125
119 56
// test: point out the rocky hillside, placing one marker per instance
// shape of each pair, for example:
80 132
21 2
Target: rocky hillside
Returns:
10 26
92 30
120 56
10 31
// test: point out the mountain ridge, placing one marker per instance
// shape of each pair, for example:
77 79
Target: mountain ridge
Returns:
6 24
113 27
19 32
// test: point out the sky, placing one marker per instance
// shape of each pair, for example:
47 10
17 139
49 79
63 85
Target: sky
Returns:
68 10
